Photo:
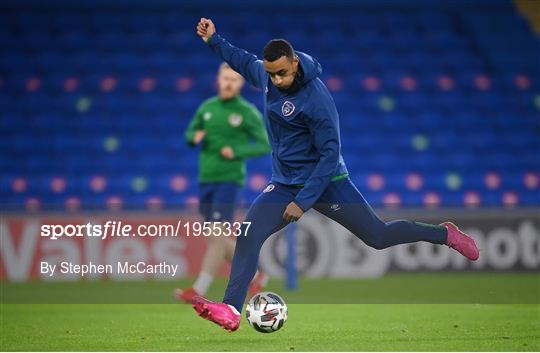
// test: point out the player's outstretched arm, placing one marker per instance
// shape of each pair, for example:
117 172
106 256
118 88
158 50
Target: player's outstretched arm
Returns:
243 62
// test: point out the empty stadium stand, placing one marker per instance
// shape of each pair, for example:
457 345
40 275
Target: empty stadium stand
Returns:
439 106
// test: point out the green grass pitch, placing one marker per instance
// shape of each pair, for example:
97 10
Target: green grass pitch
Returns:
311 327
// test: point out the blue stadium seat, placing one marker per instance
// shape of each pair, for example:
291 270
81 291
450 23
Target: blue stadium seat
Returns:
104 93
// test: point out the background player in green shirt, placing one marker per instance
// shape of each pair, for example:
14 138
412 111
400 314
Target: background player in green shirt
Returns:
223 126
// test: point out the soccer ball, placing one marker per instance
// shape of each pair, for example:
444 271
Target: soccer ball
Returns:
266 312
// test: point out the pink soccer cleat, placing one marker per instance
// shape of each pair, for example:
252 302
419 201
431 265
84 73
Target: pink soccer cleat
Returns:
461 242
222 314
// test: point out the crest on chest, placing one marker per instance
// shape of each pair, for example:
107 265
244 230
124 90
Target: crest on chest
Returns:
235 119
287 109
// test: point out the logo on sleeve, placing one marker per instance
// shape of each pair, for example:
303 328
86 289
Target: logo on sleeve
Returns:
207 116
287 108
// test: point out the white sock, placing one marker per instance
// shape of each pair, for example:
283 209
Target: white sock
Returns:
202 283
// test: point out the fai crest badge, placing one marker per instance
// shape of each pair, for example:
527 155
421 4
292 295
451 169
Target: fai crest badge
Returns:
287 108
235 120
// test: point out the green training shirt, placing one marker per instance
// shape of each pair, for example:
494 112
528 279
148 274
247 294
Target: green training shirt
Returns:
233 122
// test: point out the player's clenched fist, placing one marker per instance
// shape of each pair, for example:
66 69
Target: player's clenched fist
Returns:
205 28
292 213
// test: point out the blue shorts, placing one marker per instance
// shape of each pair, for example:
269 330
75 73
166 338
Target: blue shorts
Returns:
217 201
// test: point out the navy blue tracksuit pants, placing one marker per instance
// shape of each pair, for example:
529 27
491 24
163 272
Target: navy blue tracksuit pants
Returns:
342 202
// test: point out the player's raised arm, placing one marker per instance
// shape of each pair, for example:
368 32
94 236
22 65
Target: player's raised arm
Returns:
243 62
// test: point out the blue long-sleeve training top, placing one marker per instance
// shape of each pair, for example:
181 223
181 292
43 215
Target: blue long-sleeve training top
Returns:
302 126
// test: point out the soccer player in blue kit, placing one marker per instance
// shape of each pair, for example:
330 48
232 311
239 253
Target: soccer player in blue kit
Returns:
308 170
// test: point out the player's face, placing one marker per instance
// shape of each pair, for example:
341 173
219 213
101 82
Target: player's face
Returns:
282 71
229 83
